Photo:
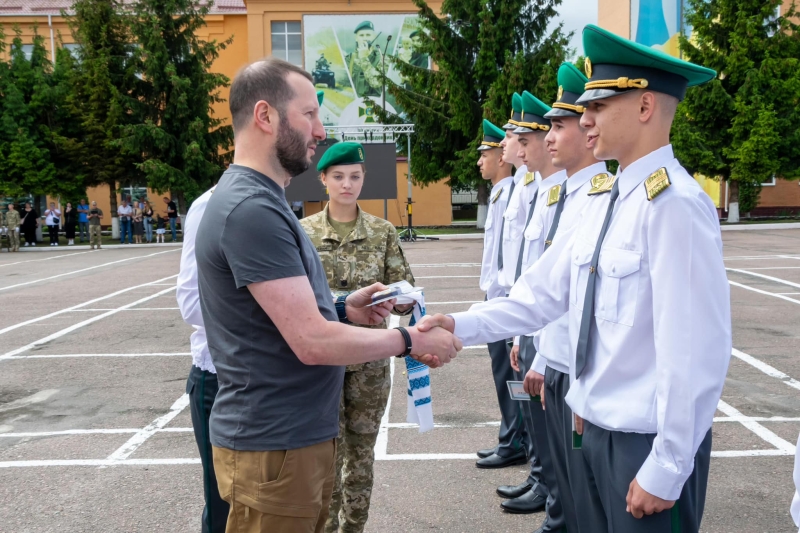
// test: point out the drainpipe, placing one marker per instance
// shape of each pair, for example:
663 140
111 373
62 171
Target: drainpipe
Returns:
52 39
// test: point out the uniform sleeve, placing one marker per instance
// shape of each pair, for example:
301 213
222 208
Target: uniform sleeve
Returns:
187 293
260 243
395 264
692 321
540 296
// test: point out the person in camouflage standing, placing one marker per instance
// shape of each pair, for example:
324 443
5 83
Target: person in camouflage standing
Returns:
364 63
356 250
12 222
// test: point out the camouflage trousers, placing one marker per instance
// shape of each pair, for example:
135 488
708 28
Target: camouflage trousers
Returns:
364 398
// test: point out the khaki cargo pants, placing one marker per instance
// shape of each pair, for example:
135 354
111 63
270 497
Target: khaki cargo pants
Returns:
94 236
285 491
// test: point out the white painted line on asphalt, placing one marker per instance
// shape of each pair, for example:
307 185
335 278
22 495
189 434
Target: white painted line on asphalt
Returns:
98 462
757 428
399 425
787 293
39 397
749 453
83 270
759 227
757 418
135 309
382 442
70 329
426 457
69 432
477 347
124 451
441 277
454 303
773 268
755 257
763 276
75 307
767 369
73 355
790 257
776 295
45 259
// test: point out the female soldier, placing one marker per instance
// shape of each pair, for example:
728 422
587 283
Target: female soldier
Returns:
357 250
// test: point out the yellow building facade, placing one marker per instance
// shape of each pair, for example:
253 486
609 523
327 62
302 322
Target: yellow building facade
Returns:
251 23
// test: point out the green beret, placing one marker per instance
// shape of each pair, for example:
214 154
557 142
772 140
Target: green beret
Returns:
413 34
320 97
344 153
533 112
366 25
492 135
571 82
516 112
615 65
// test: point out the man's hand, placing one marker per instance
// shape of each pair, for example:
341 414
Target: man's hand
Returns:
435 347
429 322
640 502
357 310
533 383
514 356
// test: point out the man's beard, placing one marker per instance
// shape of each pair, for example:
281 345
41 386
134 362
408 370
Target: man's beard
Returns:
291 149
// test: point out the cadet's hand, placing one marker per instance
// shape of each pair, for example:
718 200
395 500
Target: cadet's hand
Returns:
640 502
435 347
513 356
533 383
578 425
357 310
429 322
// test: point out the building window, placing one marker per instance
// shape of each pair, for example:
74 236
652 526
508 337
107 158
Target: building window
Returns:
134 193
770 183
74 50
287 42
27 49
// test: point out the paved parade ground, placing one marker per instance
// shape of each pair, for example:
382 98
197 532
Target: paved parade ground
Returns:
95 433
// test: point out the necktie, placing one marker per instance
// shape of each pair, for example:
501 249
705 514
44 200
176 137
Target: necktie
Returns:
562 195
502 227
518 272
588 301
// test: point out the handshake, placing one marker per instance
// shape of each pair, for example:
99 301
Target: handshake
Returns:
432 339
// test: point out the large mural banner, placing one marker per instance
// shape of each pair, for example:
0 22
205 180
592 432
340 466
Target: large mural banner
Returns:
345 55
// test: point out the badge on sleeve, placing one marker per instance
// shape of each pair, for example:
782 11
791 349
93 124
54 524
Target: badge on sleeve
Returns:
529 178
497 196
552 195
601 183
656 183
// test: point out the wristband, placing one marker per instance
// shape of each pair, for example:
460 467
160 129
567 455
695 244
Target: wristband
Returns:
407 338
341 311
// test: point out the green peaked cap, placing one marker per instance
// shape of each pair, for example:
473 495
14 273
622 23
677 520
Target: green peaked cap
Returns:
344 153
492 135
366 25
320 97
533 112
570 87
615 65
516 112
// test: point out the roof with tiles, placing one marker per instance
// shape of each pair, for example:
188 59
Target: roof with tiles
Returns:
54 7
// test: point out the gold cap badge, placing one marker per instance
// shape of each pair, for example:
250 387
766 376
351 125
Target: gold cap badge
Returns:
560 92
587 67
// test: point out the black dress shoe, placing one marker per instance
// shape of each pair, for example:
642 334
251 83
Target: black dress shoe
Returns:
528 503
513 491
486 452
496 461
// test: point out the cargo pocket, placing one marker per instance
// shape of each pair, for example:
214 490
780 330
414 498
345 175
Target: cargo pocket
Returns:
618 285
284 489
513 229
582 253
533 234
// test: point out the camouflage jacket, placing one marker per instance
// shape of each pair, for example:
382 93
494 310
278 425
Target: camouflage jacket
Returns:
370 254
11 219
366 73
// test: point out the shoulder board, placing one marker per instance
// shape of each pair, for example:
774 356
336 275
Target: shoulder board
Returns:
601 183
530 177
656 183
552 195
497 196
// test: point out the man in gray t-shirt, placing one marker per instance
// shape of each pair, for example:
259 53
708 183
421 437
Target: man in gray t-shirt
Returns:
273 330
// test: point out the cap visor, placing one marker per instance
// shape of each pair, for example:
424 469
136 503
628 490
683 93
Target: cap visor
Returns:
523 129
599 94
509 126
483 147
556 112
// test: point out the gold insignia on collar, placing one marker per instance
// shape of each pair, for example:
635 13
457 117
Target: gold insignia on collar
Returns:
656 183
497 196
601 183
560 92
530 177
552 195
587 67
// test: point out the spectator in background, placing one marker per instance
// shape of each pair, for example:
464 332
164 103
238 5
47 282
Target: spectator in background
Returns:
30 221
160 229
172 214
70 218
12 223
138 224
125 213
53 221
147 213
95 235
83 219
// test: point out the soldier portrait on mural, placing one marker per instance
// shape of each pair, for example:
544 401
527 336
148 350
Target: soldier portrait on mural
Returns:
364 63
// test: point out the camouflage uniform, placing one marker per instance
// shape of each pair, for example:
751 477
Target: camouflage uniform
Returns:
366 72
12 220
370 254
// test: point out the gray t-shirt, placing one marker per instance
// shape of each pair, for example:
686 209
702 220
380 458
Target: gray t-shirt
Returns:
268 399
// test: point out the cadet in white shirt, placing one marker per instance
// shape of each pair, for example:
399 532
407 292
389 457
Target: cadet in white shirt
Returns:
643 280
511 448
202 385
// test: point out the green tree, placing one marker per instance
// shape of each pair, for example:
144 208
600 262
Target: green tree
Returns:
183 146
742 126
484 52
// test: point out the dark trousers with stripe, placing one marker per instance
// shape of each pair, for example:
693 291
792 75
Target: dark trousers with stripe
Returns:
202 387
613 459
512 437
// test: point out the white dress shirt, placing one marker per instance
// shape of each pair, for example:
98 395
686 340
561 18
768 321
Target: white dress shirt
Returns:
661 334
514 219
187 294
491 242
553 340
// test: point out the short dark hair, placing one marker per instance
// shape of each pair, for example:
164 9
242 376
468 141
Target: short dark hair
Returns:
264 79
